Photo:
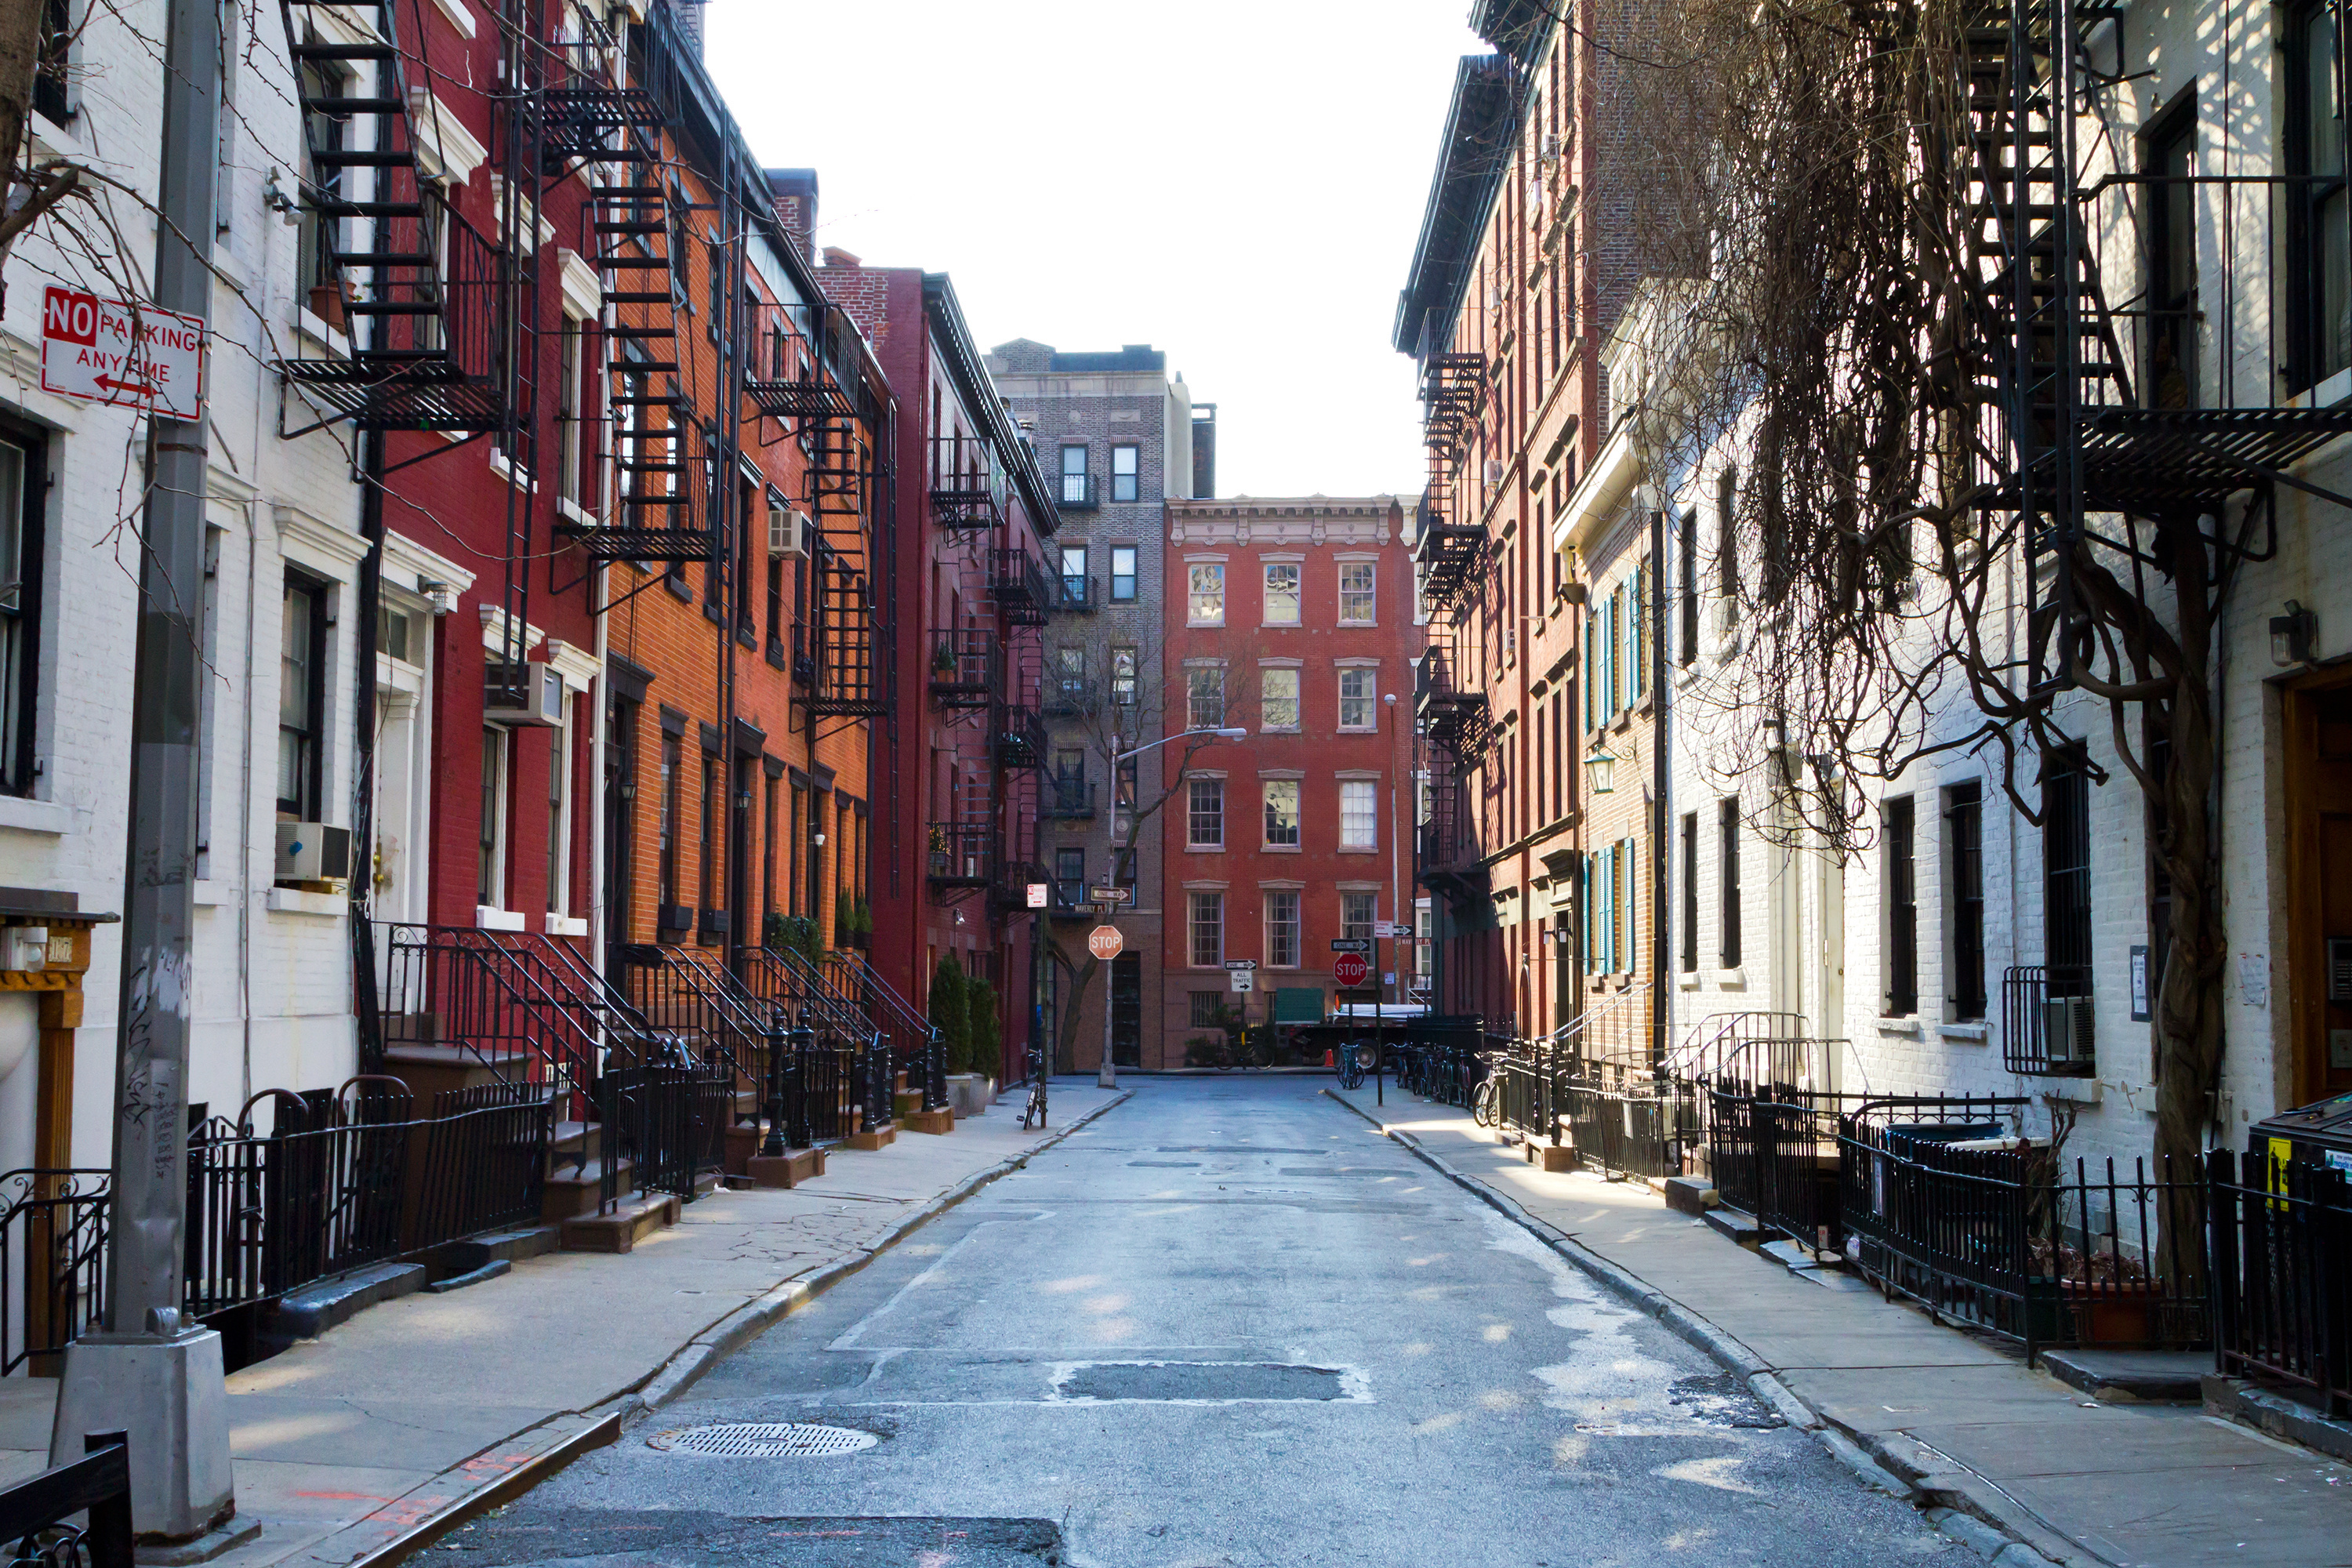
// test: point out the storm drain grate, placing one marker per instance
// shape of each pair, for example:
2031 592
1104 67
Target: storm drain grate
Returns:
765 1441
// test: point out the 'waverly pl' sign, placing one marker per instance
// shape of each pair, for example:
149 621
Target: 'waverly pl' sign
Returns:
93 349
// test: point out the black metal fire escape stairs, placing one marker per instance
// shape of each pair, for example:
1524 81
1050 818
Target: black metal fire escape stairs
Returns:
423 296
1452 548
841 476
2081 448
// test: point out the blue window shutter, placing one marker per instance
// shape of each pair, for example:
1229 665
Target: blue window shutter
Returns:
1584 902
1609 941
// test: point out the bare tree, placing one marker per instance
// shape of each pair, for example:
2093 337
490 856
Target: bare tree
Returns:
1114 721
1831 196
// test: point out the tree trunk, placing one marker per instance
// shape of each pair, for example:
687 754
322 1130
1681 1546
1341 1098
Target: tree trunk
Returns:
2188 1003
1082 979
20 47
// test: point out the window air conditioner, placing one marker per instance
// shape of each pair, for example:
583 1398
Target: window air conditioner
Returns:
2066 1032
313 852
788 530
537 697
1494 472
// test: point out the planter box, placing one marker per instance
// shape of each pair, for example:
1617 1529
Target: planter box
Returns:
969 1094
2115 1313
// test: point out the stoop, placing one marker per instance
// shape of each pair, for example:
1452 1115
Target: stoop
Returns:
621 1230
928 1120
789 1169
882 1137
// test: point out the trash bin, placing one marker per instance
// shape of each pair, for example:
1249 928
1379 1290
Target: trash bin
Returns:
2318 1135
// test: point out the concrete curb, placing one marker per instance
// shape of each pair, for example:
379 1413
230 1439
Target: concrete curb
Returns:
747 1322
511 1485
2026 1541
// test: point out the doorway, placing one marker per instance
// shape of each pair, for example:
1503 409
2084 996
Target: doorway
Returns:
2318 725
1127 1010
621 715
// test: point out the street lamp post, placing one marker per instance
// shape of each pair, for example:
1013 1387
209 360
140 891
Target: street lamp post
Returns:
1106 1075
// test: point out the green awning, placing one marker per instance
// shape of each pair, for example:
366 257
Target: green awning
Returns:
1299 1004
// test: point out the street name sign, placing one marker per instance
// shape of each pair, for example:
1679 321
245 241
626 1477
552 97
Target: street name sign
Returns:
89 351
1111 895
1104 942
1351 969
1351 944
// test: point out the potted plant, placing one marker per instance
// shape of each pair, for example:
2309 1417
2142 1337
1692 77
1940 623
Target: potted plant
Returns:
943 660
938 851
862 926
971 1085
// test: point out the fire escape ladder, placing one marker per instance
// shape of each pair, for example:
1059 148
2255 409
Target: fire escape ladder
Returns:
420 296
1451 547
848 684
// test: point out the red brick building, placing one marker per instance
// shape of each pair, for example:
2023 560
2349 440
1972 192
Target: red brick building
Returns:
1293 619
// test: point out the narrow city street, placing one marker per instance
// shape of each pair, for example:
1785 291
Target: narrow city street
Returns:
1226 1323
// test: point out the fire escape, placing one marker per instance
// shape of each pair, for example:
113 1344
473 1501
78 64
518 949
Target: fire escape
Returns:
1454 724
1452 547
2090 461
842 449
422 299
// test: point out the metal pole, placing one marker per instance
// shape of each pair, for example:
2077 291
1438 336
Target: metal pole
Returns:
144 1372
1106 1075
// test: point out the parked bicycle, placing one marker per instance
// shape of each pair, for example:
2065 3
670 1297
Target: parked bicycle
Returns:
1354 1060
1250 1049
1036 1105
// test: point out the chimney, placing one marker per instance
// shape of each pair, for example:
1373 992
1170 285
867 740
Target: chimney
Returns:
687 14
794 190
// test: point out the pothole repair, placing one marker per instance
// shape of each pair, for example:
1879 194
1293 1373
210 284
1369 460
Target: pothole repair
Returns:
764 1440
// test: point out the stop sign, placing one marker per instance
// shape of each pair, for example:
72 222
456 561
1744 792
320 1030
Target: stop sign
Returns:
1351 969
1104 942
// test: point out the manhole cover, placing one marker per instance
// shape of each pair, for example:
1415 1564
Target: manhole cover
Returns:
765 1441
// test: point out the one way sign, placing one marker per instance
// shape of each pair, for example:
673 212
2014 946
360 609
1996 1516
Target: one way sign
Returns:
92 350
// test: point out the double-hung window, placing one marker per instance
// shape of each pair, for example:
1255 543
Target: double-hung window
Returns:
1901 908
1123 676
1074 574
1126 473
1074 476
1690 892
2319 226
1727 880
1964 899
1206 814
1282 814
1278 699
21 494
1205 927
1122 574
301 699
1358 814
667 865
1358 708
1204 603
1282 928
1204 697
1282 594
1359 594
1358 912
559 816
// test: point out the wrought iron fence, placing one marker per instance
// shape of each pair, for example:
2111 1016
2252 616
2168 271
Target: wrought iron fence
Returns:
2282 1273
485 1163
37 1513
668 1122
1633 1130
52 1261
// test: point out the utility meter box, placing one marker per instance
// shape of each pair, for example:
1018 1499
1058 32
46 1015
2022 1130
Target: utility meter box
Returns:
24 949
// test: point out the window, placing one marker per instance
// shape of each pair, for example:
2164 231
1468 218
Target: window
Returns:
2066 872
1282 814
1726 542
1073 476
1902 911
708 886
1690 893
768 847
2319 226
1281 593
1122 676
559 814
1637 634
1204 604
669 785
1964 834
1204 697
52 66
22 468
1424 940
1205 827
1357 709
1358 602
1728 872
568 386
301 699
1358 912
1282 929
1122 574
1207 1010
1205 925
1277 698
1358 816
489 831
1070 874
796 886
1074 574
1687 563
1126 473
1069 675
2169 380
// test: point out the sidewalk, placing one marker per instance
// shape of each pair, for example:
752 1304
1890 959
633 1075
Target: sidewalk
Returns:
1959 1424
422 1405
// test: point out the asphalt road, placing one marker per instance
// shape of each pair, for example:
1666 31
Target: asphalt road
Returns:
1225 1324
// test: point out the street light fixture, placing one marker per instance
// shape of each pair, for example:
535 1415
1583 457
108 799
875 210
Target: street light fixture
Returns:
1601 772
1107 1076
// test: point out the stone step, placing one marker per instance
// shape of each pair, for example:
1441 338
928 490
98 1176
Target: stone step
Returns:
882 1137
576 1191
935 1122
621 1230
789 1169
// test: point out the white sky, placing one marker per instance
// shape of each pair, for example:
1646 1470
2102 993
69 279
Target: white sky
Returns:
1237 182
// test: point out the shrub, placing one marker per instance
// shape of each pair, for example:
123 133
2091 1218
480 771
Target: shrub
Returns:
949 1014
983 1031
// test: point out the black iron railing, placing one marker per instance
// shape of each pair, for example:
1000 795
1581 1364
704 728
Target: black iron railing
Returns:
37 1513
1070 695
2045 1020
967 670
1079 492
1079 595
962 853
966 484
700 1014
1017 586
667 1121
52 1262
2282 1273
486 1152
1067 797
805 999
1017 736
913 1040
